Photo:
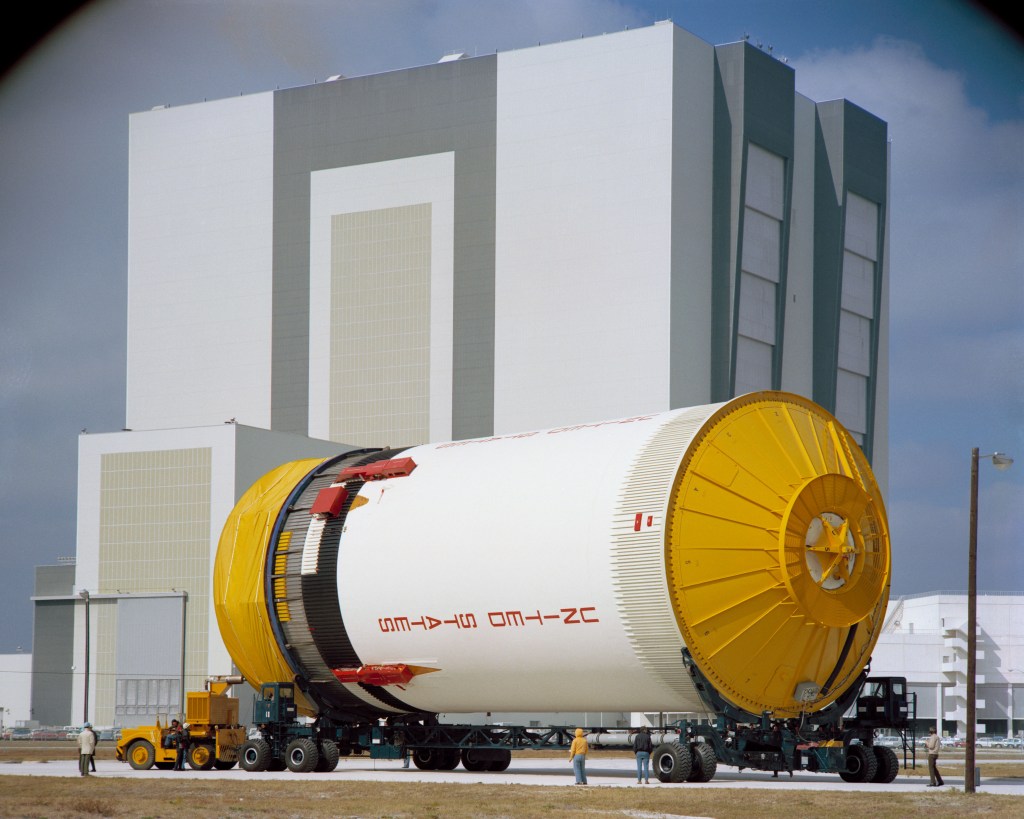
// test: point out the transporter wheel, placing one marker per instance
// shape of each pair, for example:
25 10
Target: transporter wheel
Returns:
473 760
224 764
200 757
255 756
671 762
449 759
329 756
426 759
888 765
501 762
703 763
301 755
861 764
141 755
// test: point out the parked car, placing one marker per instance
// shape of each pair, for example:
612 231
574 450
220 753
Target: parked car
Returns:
47 734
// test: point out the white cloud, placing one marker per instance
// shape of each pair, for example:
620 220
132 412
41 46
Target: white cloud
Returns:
957 186
957 308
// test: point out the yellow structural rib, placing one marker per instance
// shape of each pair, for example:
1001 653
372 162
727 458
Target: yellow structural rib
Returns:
777 553
240 599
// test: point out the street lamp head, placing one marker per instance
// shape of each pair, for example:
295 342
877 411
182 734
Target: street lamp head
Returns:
1001 461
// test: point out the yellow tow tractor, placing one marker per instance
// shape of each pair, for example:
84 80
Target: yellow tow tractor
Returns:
214 733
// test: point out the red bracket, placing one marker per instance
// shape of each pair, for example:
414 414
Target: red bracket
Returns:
329 501
378 470
376 674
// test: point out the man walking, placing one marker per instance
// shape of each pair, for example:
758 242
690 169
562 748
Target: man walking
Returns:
932 746
86 748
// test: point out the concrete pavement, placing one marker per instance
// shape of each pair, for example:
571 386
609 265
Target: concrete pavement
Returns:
526 771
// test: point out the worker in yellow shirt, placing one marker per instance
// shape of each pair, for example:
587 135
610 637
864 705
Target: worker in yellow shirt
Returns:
578 755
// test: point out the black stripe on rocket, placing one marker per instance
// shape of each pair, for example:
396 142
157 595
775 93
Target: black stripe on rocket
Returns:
322 607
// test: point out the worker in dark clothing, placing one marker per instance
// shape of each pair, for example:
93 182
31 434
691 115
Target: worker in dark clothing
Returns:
642 747
183 742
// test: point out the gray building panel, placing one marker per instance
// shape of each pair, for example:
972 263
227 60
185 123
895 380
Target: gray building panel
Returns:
55 581
828 251
54 666
693 103
149 637
852 157
53 637
755 104
723 236
149 659
449 107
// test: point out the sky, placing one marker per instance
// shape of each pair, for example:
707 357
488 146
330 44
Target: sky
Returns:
946 75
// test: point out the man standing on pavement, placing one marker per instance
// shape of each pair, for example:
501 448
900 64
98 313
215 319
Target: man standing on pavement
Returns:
932 746
86 748
642 747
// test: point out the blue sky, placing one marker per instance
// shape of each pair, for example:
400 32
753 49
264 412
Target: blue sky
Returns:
947 77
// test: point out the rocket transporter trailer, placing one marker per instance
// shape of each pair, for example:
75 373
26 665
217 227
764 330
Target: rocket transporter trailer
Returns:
730 560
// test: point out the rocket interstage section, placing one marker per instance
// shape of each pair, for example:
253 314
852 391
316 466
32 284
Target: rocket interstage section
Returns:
567 569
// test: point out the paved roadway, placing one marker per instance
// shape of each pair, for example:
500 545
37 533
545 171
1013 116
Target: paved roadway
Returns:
522 771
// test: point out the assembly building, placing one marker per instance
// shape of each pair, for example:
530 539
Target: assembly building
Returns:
556 235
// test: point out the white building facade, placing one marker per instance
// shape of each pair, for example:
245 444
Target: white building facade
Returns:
579 231
925 640
575 232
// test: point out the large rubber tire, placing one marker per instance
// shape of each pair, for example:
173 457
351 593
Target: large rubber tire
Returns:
703 763
141 755
255 756
329 757
301 755
224 764
671 762
473 760
888 765
501 762
200 756
861 764
426 759
449 759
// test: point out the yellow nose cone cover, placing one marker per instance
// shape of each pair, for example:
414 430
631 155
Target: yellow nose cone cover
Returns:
777 554
239 579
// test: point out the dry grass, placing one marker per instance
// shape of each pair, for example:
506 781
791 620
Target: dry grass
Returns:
74 797
22 796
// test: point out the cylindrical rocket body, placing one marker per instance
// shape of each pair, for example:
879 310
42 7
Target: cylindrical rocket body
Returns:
522 565
566 569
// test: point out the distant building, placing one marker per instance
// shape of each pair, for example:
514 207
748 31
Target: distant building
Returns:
925 640
151 508
16 688
574 232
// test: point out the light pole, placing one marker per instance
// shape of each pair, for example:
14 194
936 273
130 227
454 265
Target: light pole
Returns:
1001 462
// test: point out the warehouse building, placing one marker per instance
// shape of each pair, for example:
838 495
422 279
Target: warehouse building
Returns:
568 233
925 640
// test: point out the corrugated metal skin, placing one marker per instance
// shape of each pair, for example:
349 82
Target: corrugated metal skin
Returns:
638 557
